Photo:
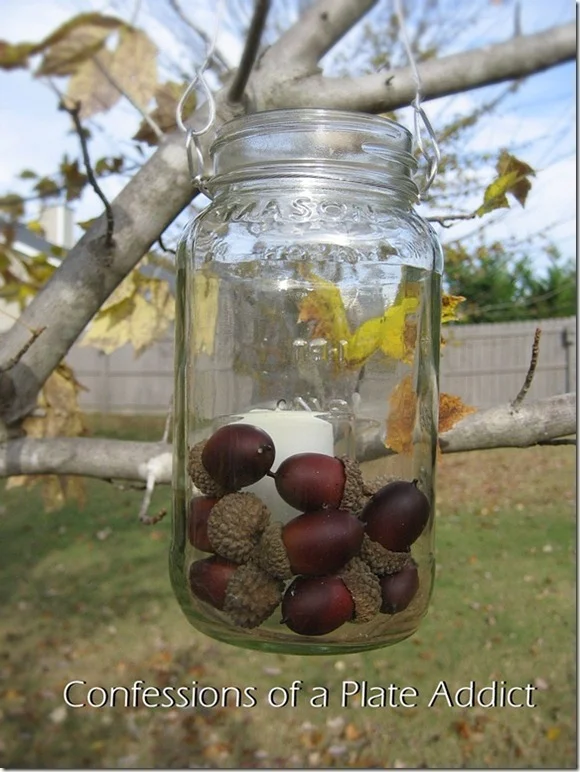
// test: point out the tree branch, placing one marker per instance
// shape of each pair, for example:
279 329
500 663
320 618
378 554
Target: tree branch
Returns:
74 113
162 187
499 427
322 25
381 92
250 51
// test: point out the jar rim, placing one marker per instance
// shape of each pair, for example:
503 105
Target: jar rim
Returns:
315 118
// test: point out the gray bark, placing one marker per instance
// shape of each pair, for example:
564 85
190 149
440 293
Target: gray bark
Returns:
498 427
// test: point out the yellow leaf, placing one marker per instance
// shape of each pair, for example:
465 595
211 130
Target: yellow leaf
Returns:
449 305
553 732
145 324
325 308
35 227
393 337
134 65
110 329
205 311
91 88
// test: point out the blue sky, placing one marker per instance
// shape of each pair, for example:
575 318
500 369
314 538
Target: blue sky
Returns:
540 119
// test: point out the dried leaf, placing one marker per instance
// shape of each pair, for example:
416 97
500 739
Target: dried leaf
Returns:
402 415
451 410
512 178
134 65
74 179
553 732
324 308
89 87
167 96
13 56
77 43
13 205
128 316
61 418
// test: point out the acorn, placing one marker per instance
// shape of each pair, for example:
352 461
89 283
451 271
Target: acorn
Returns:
200 509
399 589
252 596
244 592
380 560
317 605
314 543
365 589
199 475
396 515
209 578
238 455
311 481
235 524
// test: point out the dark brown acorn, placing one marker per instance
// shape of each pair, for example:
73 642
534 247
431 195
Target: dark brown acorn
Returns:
245 593
310 481
316 605
199 512
322 542
209 579
398 590
238 455
396 515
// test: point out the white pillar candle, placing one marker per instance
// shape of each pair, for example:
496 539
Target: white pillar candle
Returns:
293 431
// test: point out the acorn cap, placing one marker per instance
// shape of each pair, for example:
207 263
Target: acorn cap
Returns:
352 495
199 475
380 560
235 524
271 553
251 596
365 589
372 486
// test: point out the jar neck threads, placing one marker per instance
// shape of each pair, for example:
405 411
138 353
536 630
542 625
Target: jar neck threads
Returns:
316 144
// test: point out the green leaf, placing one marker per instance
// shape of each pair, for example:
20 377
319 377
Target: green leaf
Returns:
74 179
45 187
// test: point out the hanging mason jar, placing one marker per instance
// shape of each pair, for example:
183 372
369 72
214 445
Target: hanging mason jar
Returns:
306 388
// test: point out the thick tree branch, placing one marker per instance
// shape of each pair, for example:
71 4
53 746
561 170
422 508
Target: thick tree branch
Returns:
322 25
499 427
381 92
162 187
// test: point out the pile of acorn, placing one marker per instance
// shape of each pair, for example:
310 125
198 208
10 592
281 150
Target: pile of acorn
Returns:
346 558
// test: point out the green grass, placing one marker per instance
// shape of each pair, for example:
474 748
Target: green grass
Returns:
85 595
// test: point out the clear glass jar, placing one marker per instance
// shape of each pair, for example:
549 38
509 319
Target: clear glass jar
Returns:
306 388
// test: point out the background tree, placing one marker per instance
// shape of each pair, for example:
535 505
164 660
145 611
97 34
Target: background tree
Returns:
95 61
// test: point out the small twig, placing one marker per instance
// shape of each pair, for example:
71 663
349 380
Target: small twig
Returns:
136 486
250 52
19 354
531 370
115 83
74 113
163 247
143 516
446 220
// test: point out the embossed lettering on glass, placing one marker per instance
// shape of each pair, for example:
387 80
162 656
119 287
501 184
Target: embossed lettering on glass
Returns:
306 388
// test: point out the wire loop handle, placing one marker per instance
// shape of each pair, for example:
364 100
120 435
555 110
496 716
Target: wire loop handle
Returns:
420 116
195 159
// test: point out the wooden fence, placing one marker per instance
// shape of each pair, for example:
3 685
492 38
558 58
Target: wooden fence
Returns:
484 364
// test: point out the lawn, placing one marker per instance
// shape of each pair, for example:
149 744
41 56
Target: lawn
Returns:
86 597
